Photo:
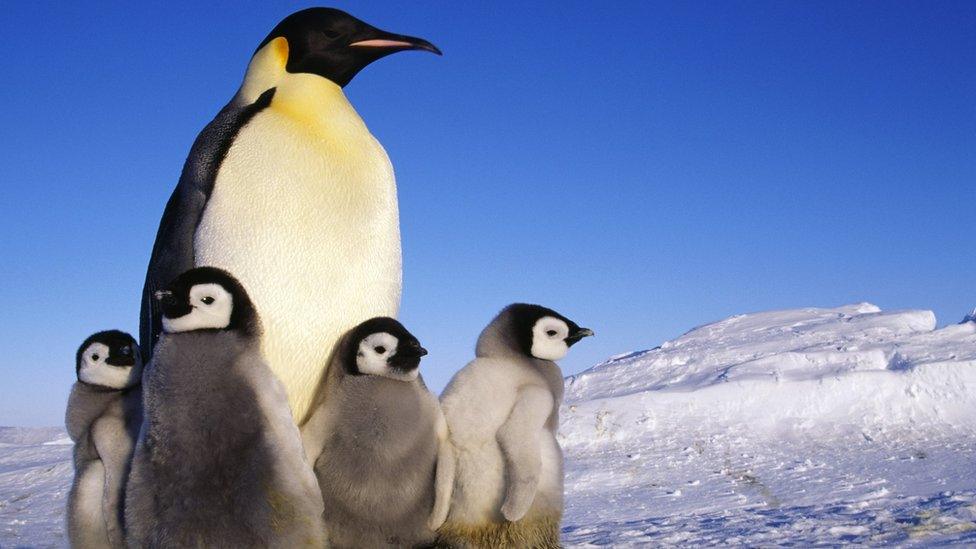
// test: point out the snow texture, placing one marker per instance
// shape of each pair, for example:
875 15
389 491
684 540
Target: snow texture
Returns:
801 427
35 476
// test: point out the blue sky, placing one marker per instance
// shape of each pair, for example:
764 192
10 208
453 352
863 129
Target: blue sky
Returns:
642 167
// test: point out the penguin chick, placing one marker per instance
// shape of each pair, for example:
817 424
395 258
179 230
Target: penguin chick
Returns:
219 461
103 418
502 415
379 442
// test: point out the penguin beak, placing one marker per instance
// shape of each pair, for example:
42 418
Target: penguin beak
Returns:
169 305
411 352
121 362
386 42
408 358
578 335
123 358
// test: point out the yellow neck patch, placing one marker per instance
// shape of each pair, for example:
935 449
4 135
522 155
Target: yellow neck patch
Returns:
320 105
316 102
266 68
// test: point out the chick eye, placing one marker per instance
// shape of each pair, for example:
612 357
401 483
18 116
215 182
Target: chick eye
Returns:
551 333
95 357
381 349
207 300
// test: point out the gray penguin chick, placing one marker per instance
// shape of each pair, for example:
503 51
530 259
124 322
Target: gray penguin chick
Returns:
502 411
103 417
379 442
219 461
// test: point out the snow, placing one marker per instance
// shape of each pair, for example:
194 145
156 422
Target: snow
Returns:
35 475
802 427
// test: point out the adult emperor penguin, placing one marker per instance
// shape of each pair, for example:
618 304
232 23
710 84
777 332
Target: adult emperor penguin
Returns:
219 461
379 443
502 414
287 189
103 418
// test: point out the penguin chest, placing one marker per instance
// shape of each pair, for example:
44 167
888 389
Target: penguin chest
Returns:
86 501
307 220
549 495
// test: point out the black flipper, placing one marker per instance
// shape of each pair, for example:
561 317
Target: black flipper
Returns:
173 251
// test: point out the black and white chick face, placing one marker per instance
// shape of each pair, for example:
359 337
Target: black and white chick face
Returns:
206 306
385 348
205 298
544 333
109 359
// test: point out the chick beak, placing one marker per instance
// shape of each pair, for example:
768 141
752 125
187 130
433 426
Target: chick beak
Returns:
170 307
578 335
412 352
121 359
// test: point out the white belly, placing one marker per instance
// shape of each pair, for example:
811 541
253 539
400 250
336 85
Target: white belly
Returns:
307 220
480 483
549 497
479 486
88 521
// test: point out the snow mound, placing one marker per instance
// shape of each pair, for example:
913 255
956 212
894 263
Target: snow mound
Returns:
804 427
886 367
780 345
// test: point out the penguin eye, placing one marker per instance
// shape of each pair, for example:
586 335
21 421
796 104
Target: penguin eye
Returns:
551 333
331 34
207 300
95 357
381 349
125 351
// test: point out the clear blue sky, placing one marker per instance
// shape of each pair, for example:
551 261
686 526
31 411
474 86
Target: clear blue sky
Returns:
642 167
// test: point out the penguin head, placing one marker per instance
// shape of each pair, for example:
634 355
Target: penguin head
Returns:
335 45
109 359
207 298
381 346
541 332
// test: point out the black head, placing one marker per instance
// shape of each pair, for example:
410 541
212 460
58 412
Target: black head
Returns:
335 45
548 341
207 298
382 346
123 351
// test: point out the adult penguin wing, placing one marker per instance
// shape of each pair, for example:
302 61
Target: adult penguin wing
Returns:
173 251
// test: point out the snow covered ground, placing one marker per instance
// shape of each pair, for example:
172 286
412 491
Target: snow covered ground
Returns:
35 475
801 427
